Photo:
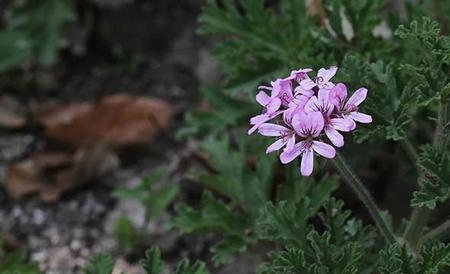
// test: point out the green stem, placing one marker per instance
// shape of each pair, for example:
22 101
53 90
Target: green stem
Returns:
438 231
420 215
414 230
410 150
364 195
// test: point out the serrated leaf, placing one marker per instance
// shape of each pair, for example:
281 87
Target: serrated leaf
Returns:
42 21
435 182
216 217
152 263
395 260
286 222
100 264
184 267
435 258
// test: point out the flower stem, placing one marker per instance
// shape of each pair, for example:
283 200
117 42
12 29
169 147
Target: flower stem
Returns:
420 215
364 195
417 223
438 231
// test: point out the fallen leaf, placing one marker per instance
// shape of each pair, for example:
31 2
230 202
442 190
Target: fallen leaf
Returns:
50 174
115 120
9 118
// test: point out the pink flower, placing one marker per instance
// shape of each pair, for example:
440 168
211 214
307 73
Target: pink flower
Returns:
332 125
308 126
299 75
310 109
260 119
286 136
281 89
349 110
322 80
271 107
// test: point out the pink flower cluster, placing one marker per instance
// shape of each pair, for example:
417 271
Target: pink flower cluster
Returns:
305 109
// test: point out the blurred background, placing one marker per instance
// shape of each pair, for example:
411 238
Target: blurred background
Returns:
94 99
91 93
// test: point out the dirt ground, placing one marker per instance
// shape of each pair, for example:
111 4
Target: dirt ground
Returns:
144 48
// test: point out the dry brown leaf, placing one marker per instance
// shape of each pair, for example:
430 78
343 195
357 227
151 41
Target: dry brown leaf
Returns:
51 174
10 119
115 120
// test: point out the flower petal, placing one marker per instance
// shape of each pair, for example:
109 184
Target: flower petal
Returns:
299 75
309 123
361 117
357 97
323 149
291 142
335 137
327 74
343 124
289 155
315 122
262 98
273 105
307 164
300 90
275 146
338 95
323 95
252 129
259 119
268 129
307 84
313 104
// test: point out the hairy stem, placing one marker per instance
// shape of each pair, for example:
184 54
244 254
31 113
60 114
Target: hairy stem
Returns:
364 195
414 230
419 217
438 231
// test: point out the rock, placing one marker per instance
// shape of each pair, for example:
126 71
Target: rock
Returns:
123 266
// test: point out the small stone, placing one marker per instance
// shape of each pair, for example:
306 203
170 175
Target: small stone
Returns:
76 245
38 217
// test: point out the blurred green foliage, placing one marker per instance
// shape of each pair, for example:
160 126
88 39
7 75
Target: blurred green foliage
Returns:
34 32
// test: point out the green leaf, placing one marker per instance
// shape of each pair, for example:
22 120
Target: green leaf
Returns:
100 264
42 21
285 222
125 233
224 112
435 182
184 267
429 58
156 198
435 258
289 261
395 260
248 187
216 217
14 49
152 263
17 263
319 255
